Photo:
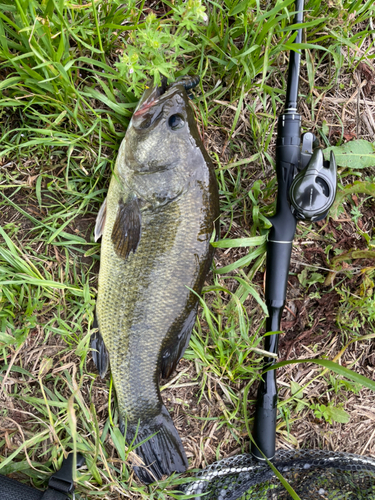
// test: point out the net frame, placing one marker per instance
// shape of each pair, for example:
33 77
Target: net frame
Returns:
313 474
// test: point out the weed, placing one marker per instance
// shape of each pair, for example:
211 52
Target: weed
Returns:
330 413
71 74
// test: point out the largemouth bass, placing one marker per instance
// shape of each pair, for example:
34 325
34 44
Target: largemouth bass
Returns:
156 224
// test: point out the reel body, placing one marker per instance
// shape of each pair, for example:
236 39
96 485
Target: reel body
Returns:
313 189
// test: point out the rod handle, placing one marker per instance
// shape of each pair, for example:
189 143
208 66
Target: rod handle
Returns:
278 261
264 435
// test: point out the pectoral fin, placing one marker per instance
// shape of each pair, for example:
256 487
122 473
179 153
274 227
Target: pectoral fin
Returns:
100 221
126 231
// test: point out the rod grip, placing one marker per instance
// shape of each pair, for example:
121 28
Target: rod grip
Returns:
264 432
278 261
264 436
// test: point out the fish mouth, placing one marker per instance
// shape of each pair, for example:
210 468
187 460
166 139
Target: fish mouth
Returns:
152 95
150 98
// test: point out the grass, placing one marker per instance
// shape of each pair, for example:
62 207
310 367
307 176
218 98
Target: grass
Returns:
71 74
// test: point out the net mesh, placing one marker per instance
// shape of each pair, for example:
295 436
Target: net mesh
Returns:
313 474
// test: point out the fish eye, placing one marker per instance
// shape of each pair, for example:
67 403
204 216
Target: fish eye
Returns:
176 121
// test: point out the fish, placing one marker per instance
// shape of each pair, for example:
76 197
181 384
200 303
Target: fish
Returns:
156 225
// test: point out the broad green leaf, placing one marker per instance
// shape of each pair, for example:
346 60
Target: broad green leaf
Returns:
353 154
364 187
7 339
325 127
295 389
10 82
240 7
243 261
337 414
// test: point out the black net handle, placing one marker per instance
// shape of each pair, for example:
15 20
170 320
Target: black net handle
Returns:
60 484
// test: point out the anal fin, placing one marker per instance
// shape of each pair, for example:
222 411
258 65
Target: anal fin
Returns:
99 351
126 231
174 350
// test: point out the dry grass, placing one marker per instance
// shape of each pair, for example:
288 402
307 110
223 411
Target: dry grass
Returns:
202 403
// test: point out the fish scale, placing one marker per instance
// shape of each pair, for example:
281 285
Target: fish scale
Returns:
151 304
159 215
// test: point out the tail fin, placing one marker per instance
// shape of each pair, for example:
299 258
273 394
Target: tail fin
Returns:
163 453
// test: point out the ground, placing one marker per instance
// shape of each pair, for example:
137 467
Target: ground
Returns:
51 394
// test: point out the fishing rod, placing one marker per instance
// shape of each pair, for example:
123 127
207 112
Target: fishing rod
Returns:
306 191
